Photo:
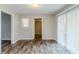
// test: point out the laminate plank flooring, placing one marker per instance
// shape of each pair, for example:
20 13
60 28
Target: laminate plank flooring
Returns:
31 47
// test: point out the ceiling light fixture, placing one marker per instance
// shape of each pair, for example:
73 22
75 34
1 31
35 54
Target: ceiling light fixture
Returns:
35 5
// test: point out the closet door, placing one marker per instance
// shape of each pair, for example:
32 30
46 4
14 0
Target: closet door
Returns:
61 32
71 29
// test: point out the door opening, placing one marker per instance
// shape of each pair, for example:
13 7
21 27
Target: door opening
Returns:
38 29
5 30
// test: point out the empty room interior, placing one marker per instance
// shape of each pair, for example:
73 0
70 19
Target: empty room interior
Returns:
39 28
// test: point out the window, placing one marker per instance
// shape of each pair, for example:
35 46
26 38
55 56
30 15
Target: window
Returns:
25 22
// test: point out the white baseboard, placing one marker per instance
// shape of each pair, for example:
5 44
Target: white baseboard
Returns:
13 41
25 38
48 38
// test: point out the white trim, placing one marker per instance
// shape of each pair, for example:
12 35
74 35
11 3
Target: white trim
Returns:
66 10
13 14
33 39
48 38
11 24
25 39
41 22
13 42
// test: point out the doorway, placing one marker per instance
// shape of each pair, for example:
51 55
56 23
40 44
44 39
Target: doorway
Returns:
5 30
38 29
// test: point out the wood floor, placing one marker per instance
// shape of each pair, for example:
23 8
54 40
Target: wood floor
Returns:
31 47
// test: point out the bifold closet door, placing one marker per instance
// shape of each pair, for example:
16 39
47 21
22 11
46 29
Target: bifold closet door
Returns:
61 30
71 29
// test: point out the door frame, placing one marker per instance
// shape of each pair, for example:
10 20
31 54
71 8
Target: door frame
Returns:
11 23
41 19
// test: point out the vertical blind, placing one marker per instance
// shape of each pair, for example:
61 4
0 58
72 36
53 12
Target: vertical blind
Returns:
68 30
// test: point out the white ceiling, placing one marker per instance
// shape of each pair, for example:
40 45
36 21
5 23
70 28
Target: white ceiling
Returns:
43 9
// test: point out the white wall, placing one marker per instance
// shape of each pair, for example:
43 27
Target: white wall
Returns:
14 21
48 27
